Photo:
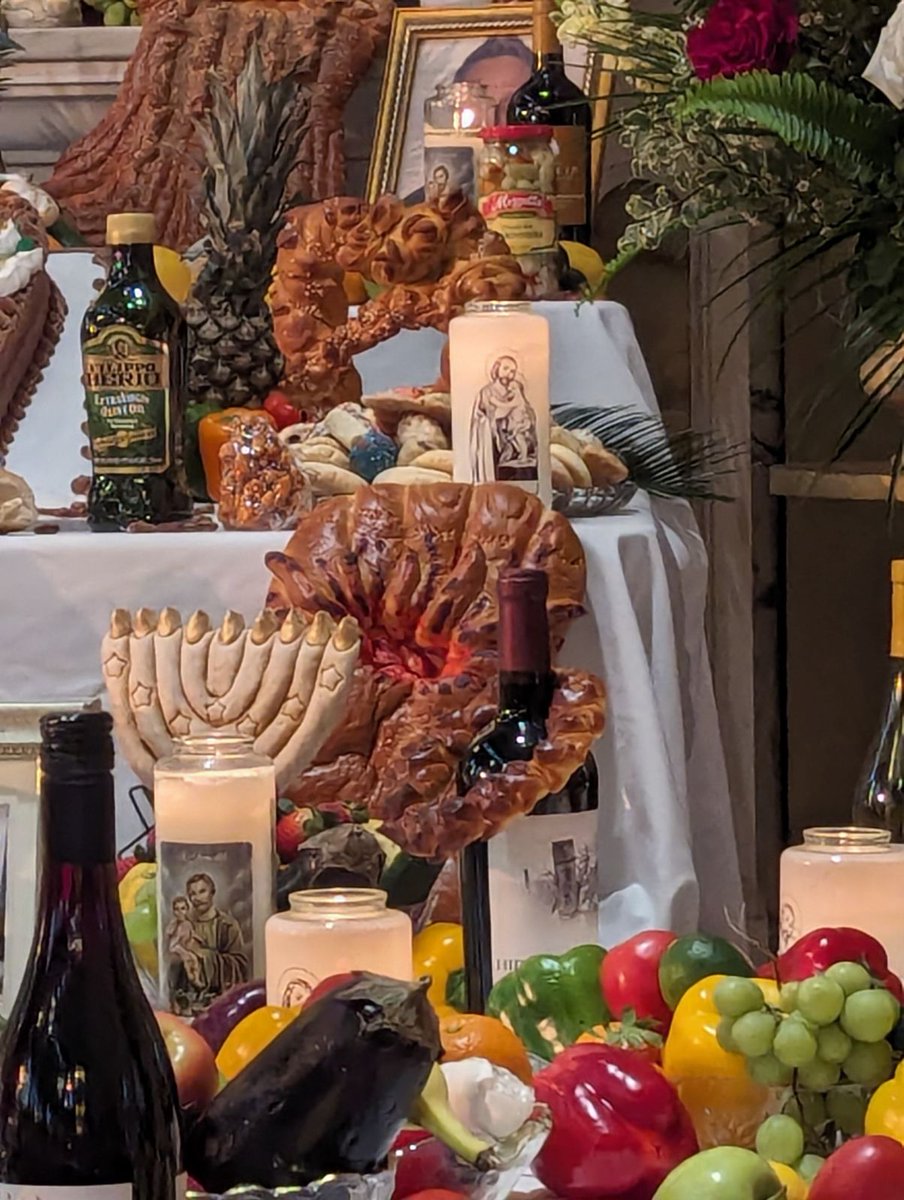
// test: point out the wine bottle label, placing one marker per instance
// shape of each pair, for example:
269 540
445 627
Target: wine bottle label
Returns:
571 174
128 402
39 1191
450 164
544 897
204 921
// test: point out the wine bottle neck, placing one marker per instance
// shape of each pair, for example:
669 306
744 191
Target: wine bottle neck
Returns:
131 260
79 820
544 36
526 694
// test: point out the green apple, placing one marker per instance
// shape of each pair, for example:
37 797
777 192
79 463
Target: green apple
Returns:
725 1173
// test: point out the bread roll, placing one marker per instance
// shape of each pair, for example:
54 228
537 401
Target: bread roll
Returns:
605 467
561 480
435 460
558 436
329 480
410 475
573 464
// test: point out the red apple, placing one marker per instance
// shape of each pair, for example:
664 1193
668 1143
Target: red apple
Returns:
194 1064
866 1168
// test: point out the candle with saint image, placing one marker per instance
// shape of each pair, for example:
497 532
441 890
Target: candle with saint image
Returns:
328 931
215 807
844 877
499 372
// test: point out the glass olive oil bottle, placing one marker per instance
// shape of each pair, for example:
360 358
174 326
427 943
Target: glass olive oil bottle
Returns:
134 369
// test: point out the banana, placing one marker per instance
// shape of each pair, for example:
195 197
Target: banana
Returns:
432 1112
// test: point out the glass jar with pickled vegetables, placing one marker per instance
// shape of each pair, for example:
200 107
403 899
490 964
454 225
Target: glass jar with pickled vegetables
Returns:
453 118
517 183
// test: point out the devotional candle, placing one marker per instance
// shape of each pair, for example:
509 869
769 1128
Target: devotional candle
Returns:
328 931
215 806
499 372
844 877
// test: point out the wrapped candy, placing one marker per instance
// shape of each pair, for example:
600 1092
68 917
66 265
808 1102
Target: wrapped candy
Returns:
261 487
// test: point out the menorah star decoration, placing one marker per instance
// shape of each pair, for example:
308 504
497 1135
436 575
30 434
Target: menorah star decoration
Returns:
281 682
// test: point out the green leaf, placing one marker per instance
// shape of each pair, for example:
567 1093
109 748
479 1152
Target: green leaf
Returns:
815 118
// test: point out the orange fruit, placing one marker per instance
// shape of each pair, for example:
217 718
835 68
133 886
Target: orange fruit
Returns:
465 1035
355 291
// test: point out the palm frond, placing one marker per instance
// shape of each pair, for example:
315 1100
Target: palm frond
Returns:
813 117
686 464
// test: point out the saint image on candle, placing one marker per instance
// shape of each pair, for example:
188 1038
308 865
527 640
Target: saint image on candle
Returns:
207 940
503 439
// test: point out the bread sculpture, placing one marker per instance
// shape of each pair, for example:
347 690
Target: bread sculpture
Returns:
432 259
140 155
32 310
416 568
283 683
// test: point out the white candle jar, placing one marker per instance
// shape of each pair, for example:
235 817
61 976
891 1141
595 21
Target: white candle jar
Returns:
332 930
844 877
215 808
499 372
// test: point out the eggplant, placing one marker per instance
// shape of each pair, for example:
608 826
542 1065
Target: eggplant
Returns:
217 1022
326 1096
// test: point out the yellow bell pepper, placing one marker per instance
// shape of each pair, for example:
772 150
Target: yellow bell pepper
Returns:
725 1104
796 1186
438 951
885 1113
250 1036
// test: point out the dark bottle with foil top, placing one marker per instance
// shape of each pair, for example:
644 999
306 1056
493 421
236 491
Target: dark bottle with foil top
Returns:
88 1106
879 801
531 889
134 376
550 98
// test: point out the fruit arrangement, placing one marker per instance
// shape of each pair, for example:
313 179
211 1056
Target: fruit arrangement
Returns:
117 12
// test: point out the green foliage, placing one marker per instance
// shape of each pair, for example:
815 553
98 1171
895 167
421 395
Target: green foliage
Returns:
817 119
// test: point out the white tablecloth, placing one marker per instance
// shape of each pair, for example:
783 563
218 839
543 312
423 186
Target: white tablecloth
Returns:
667 850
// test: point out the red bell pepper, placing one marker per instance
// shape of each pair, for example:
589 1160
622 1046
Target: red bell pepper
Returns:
629 978
822 948
618 1127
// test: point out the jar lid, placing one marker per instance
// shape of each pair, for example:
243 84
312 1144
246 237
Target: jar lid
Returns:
515 133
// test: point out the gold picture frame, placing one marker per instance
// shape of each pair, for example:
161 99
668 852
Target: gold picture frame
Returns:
415 28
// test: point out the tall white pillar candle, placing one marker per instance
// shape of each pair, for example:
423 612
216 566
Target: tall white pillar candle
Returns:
849 877
215 806
499 371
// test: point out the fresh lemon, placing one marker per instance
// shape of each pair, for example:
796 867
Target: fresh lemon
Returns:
796 1188
588 262
172 272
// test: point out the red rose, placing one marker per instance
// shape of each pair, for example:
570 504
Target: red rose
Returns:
737 36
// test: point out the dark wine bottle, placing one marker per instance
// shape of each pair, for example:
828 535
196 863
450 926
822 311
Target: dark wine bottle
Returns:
88 1105
134 373
532 888
550 98
879 802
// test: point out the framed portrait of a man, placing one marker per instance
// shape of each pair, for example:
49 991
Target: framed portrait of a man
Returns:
488 45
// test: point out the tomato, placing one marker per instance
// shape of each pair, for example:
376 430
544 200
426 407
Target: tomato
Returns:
328 985
866 1168
193 1063
281 409
629 977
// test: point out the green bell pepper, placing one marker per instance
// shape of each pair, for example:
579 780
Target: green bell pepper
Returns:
550 1000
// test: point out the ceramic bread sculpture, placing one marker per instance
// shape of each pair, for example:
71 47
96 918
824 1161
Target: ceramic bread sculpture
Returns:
32 309
283 682
144 155
416 568
430 259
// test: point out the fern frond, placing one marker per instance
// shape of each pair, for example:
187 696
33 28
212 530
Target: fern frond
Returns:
687 464
813 117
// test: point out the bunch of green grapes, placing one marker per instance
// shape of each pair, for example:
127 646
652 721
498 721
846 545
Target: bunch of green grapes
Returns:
117 12
830 1028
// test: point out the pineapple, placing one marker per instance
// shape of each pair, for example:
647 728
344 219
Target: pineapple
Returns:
251 143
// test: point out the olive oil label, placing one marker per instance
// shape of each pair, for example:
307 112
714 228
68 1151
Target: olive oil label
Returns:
38 1191
204 921
128 402
571 167
544 896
